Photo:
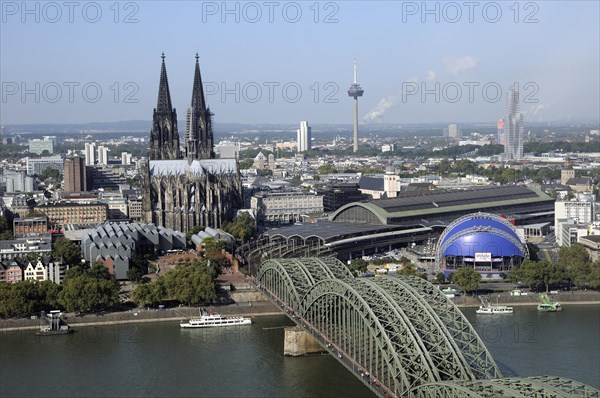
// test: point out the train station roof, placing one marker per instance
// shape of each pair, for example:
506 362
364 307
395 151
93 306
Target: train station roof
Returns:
329 231
426 206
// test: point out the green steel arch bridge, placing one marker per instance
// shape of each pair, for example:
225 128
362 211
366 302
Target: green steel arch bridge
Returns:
401 336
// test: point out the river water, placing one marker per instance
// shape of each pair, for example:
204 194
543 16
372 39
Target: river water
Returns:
162 360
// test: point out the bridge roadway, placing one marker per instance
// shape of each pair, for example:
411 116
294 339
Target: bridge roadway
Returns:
400 336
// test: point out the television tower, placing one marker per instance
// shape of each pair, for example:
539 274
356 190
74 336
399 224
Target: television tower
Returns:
355 91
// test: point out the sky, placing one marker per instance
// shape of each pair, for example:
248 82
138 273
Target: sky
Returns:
282 62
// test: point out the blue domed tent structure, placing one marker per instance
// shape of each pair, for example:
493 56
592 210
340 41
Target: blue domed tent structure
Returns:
487 242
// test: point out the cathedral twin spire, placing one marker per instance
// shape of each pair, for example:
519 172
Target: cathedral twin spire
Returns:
200 136
164 138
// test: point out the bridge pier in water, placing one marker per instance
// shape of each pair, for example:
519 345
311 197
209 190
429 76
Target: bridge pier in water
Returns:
297 342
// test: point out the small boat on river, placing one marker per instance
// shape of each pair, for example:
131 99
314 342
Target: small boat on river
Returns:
490 309
548 305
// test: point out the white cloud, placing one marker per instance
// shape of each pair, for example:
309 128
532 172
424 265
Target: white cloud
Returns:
455 65
430 75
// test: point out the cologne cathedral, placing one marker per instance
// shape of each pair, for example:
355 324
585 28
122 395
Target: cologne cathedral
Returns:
189 187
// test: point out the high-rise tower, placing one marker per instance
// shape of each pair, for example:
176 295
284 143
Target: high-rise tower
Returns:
75 174
355 91
199 143
304 137
513 133
90 153
164 138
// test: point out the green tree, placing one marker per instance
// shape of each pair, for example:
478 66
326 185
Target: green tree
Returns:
408 269
73 272
440 277
467 278
50 173
21 298
67 250
444 167
28 297
246 164
98 271
87 293
187 283
144 295
48 293
532 273
138 267
327 169
242 228
150 294
575 261
135 275
193 231
5 293
358 265
594 278
5 229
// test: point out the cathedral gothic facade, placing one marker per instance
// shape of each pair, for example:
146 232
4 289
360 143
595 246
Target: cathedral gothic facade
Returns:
189 187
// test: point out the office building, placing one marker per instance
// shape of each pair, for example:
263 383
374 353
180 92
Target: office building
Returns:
37 166
126 159
39 146
103 155
304 137
285 207
453 131
90 153
513 135
13 181
75 175
29 226
62 213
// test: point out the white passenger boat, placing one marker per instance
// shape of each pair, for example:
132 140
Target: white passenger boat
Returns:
214 320
490 309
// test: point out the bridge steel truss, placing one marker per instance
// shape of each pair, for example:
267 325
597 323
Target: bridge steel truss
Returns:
536 386
401 336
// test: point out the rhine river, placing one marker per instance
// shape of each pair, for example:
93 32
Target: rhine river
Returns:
162 360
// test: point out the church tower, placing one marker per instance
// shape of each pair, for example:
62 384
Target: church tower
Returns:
199 144
164 138
567 172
